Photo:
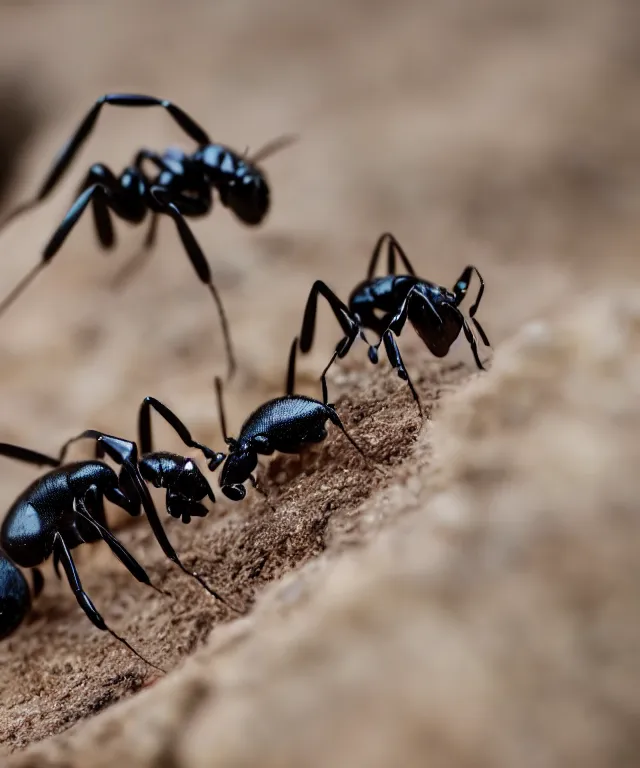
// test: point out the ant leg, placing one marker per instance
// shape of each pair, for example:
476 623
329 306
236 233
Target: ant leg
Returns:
396 323
460 291
83 599
28 456
291 369
223 425
199 263
102 222
54 245
139 259
481 332
125 496
101 174
323 378
393 353
125 454
393 247
70 149
144 431
335 419
462 285
85 510
472 341
118 449
343 315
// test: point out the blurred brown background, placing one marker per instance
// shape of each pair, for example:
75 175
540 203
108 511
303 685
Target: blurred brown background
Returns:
503 134
497 133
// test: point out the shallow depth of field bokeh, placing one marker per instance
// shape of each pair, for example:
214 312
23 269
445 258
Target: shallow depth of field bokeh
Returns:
498 133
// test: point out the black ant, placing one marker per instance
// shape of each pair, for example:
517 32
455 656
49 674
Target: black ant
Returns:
65 508
285 424
384 304
57 513
181 185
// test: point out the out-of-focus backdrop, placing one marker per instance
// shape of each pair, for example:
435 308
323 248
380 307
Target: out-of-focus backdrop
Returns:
503 134
498 133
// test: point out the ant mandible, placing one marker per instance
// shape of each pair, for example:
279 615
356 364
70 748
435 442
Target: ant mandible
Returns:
180 186
285 424
431 309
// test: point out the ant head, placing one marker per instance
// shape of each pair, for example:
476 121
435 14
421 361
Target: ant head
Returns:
247 194
191 483
15 598
238 467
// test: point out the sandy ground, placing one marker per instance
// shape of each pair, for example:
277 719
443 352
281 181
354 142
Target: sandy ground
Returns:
473 602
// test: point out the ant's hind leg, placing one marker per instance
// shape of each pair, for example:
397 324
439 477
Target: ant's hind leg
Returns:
343 315
84 601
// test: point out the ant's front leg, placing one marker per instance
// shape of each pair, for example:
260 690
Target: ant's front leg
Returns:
393 353
349 324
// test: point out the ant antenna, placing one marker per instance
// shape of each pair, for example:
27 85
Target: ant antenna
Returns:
273 146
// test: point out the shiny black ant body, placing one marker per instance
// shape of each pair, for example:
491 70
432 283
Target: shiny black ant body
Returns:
180 186
55 514
285 424
15 596
384 304
65 508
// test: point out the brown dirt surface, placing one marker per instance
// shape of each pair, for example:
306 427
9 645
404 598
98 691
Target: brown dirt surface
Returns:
473 599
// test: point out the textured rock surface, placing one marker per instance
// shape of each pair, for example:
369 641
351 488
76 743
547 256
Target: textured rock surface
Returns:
495 622
473 603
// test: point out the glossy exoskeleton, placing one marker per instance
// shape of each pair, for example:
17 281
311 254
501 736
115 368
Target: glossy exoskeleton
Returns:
180 185
57 513
285 424
185 485
180 476
384 304
15 596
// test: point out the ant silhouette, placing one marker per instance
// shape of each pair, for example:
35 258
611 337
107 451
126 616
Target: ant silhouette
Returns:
180 186
384 304
285 424
58 512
